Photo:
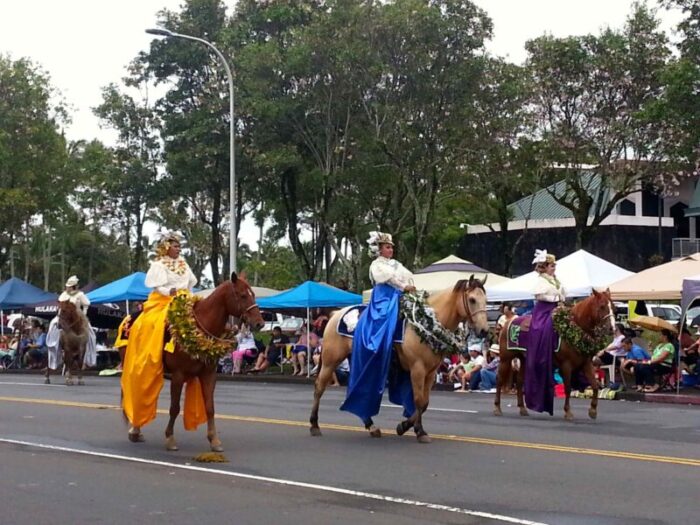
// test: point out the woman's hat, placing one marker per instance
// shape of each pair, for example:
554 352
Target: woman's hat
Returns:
541 256
496 349
378 238
72 281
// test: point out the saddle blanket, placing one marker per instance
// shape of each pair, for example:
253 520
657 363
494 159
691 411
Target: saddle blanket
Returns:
348 323
518 336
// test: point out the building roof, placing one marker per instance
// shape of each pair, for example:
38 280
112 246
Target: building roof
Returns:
541 205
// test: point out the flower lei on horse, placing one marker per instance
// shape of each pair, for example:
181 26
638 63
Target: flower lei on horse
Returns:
415 310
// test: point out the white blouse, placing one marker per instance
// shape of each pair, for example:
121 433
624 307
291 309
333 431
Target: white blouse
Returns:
547 290
391 272
166 273
78 298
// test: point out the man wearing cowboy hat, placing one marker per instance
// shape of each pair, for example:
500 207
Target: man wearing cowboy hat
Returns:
489 371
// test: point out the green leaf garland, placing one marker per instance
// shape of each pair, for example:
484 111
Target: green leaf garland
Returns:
415 310
569 331
189 336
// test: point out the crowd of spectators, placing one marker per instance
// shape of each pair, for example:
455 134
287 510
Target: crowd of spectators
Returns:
25 346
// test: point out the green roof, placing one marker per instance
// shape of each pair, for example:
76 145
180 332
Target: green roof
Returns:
542 206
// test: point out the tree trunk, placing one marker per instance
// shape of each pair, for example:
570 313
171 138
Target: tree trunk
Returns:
216 238
47 260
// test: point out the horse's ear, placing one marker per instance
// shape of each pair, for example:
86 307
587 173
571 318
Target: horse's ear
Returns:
595 292
234 277
484 281
471 278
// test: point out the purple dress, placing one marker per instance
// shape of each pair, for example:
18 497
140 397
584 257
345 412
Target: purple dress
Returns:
539 375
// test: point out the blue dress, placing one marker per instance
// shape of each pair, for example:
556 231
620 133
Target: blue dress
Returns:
370 363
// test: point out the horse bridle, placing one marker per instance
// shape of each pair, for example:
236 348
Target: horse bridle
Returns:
217 338
467 310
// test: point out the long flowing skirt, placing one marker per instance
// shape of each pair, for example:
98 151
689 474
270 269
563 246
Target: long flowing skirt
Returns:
539 379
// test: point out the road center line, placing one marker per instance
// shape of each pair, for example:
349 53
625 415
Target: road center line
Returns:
279 481
434 409
688 462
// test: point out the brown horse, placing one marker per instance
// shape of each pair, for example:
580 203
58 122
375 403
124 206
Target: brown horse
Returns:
465 302
72 342
233 298
588 314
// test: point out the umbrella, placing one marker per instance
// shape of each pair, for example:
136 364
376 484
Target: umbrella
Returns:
655 324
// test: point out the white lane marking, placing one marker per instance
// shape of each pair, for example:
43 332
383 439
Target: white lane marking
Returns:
28 384
287 482
431 409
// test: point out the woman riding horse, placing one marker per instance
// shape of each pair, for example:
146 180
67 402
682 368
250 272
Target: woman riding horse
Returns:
373 341
142 377
539 381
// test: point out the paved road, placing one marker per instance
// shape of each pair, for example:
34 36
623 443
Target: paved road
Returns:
65 459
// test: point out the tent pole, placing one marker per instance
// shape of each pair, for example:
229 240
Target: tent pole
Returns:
2 323
308 345
127 307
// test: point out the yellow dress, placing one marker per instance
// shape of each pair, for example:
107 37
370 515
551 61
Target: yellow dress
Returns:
142 376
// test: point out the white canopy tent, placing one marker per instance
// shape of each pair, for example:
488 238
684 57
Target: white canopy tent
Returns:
445 273
579 272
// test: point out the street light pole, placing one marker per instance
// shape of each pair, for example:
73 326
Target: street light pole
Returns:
232 163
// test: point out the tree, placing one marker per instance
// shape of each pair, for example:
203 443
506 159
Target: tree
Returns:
33 151
589 94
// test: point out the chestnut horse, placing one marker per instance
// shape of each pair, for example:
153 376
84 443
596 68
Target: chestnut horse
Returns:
465 302
588 314
72 342
233 298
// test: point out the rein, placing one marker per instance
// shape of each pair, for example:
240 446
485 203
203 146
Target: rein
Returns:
212 336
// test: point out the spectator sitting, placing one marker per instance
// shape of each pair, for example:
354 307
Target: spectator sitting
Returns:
472 370
316 357
489 371
614 349
660 364
689 350
245 347
319 323
273 353
36 350
301 348
635 354
455 371
341 374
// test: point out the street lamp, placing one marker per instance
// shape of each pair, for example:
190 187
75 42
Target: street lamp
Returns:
232 167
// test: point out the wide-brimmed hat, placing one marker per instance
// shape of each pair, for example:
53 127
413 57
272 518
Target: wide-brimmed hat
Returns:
378 238
496 349
72 281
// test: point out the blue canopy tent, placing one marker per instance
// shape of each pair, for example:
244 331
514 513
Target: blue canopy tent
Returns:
15 293
309 294
129 288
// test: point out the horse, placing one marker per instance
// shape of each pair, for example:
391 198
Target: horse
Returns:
72 341
588 315
465 302
232 298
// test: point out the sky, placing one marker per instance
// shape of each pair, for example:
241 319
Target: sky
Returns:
86 44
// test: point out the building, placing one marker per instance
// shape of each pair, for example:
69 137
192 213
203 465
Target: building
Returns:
641 225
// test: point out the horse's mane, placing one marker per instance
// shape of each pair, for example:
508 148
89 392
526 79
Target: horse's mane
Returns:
74 319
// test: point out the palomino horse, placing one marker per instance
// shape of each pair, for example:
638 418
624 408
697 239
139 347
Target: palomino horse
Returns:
588 314
72 342
465 302
231 298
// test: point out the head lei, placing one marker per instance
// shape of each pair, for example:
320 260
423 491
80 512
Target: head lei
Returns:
72 281
377 238
542 257
164 240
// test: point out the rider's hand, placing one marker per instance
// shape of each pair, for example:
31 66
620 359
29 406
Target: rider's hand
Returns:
173 291
409 288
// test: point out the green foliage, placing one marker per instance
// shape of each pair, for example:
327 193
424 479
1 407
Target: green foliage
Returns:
583 342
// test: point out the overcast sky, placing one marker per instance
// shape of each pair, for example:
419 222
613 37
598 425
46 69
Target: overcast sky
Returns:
86 44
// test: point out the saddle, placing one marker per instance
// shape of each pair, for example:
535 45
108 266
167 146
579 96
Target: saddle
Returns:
348 323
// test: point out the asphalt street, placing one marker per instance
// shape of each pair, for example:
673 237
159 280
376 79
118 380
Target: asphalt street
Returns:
65 459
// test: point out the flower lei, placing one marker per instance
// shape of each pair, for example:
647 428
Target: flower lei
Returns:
585 343
189 336
178 266
414 309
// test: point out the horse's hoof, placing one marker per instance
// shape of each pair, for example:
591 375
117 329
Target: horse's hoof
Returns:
524 412
400 430
170 444
592 413
136 437
424 438
69 382
217 448
497 411
569 416
315 431
375 432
